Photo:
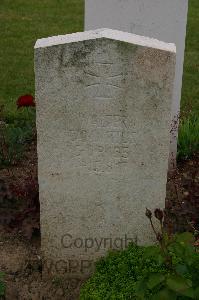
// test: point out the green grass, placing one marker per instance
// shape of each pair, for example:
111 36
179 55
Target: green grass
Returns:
188 141
22 22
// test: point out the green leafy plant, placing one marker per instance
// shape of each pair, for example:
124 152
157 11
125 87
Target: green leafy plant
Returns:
13 138
2 285
179 254
166 270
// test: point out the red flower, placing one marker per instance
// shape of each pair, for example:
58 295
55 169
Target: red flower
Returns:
26 100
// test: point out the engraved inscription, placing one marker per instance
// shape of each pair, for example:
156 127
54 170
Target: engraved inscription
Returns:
99 157
101 141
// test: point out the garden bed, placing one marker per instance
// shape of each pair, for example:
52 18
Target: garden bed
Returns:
20 257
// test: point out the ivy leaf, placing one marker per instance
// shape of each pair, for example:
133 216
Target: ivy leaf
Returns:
196 293
160 259
185 238
151 251
155 253
181 269
178 249
178 284
165 294
190 293
140 289
154 280
189 254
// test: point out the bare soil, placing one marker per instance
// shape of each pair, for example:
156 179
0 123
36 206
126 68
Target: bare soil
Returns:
182 200
21 262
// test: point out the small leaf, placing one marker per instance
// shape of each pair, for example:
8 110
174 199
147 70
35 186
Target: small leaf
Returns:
154 280
154 252
151 251
177 248
186 238
196 293
188 293
164 294
140 289
160 259
189 252
181 269
178 284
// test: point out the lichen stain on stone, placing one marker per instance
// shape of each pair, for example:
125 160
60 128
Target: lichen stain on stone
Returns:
149 64
75 55
125 48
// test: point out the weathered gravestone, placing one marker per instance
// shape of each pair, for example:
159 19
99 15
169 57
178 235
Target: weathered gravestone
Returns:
160 19
103 111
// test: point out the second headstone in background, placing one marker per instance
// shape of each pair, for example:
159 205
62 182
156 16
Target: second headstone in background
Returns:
164 20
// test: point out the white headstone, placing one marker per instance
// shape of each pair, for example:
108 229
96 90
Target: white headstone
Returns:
164 20
103 103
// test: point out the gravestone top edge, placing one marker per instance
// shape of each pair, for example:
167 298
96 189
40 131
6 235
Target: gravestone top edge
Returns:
105 33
